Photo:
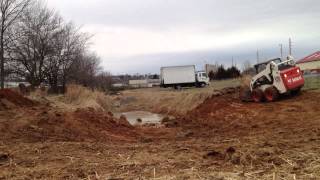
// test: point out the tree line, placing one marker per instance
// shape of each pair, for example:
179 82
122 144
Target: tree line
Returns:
39 46
223 73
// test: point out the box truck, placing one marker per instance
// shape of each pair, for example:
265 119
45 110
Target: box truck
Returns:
182 76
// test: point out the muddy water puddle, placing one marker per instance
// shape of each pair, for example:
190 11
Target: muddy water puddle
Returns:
141 117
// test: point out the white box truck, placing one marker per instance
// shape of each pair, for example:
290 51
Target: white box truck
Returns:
182 76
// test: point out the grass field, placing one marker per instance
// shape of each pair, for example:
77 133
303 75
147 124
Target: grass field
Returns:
168 100
312 83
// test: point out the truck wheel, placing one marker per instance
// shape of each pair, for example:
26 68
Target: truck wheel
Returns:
271 94
257 95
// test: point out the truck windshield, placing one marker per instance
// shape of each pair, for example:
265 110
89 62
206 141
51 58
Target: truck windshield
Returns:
204 74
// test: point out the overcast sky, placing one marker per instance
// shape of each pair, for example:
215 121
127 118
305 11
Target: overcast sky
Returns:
140 36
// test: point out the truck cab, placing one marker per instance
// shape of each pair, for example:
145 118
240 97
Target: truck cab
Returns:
202 78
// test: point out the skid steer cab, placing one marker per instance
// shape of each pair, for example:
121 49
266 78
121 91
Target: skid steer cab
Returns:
276 77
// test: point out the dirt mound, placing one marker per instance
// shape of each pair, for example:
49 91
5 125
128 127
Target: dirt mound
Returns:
221 111
10 99
226 114
262 134
43 124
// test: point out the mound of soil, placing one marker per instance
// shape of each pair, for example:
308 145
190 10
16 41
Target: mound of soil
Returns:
223 105
80 125
10 99
46 123
227 115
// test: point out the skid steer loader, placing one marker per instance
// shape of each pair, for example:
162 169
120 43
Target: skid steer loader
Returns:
274 78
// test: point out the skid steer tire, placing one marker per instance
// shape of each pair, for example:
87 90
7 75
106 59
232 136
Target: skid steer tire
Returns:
295 92
271 94
245 94
257 95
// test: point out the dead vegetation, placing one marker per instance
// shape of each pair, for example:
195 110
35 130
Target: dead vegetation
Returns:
11 99
27 121
84 97
169 101
222 138
76 96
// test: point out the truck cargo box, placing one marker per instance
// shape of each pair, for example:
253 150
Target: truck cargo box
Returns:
178 75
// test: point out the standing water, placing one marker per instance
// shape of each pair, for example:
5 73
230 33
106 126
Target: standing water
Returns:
141 117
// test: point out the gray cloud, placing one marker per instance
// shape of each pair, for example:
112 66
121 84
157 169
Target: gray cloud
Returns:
228 22
151 63
168 13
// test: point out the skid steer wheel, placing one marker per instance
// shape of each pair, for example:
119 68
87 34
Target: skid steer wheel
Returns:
257 95
295 92
271 94
245 94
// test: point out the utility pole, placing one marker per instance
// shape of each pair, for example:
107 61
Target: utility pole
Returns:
232 61
290 47
281 51
258 58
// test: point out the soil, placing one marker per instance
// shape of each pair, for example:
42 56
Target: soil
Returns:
10 99
222 138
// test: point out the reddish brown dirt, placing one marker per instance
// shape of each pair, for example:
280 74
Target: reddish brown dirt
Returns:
25 120
223 138
228 115
28 121
45 124
10 98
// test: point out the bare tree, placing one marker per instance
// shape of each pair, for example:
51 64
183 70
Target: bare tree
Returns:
30 46
10 11
247 68
44 48
85 69
103 81
30 43
69 45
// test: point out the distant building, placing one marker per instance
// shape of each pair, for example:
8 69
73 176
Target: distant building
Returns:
311 63
119 85
144 83
138 83
12 84
211 67
154 82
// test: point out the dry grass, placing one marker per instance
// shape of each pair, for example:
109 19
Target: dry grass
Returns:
312 82
170 101
83 97
159 100
245 81
75 97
